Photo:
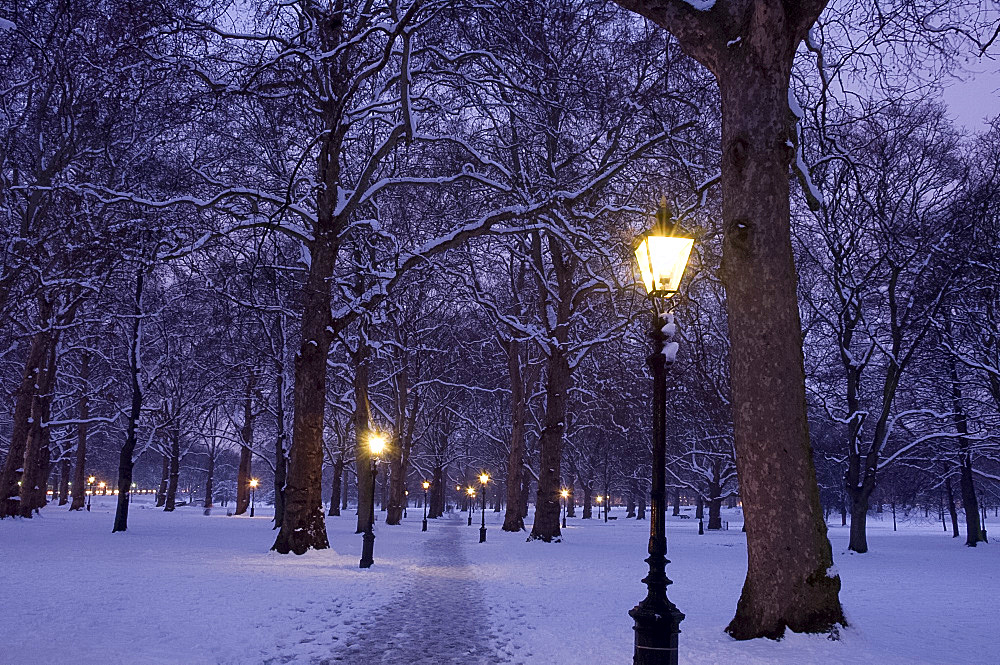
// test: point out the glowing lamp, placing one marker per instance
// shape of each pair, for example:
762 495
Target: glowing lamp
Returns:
376 443
426 484
484 478
662 254
254 482
564 494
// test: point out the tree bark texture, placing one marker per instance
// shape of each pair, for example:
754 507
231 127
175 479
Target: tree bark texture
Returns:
80 467
170 503
513 520
245 469
281 437
789 581
13 467
335 491
125 460
952 511
37 459
546 524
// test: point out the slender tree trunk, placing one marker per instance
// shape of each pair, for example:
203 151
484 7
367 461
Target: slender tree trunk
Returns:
345 485
588 501
970 504
281 438
951 508
513 519
175 469
571 501
699 509
630 505
80 468
338 471
161 490
125 460
362 425
437 494
244 472
209 480
64 474
642 501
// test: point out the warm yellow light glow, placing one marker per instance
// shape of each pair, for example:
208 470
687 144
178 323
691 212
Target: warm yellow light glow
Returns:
426 484
662 260
102 484
458 487
254 482
91 480
484 478
376 443
471 491
600 499
564 494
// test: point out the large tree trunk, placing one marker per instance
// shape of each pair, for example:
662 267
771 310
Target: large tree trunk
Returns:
642 501
677 503
789 580
125 460
245 471
513 520
80 468
546 523
588 503
714 514
37 458
13 467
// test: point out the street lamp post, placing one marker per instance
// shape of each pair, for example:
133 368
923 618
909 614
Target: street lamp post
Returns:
606 505
483 478
600 504
565 497
376 444
104 488
471 491
426 485
90 485
662 255
253 486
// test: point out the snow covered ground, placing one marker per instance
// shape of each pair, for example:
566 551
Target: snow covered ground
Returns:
183 588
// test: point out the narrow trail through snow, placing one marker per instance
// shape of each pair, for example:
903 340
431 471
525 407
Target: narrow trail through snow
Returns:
440 618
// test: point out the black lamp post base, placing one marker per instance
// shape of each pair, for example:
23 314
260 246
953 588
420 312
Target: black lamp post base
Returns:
470 518
657 626
482 534
367 549
424 527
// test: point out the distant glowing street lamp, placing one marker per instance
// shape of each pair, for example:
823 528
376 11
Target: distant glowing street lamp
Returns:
600 503
483 478
90 493
565 497
131 492
426 486
376 446
104 487
471 491
253 486
662 254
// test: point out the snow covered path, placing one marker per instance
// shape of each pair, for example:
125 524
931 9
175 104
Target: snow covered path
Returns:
439 618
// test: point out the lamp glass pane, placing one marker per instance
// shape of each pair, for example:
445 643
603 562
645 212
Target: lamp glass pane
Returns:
662 260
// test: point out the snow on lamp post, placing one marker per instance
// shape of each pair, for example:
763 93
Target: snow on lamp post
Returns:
483 478
253 486
471 491
662 254
376 445
426 486
565 497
